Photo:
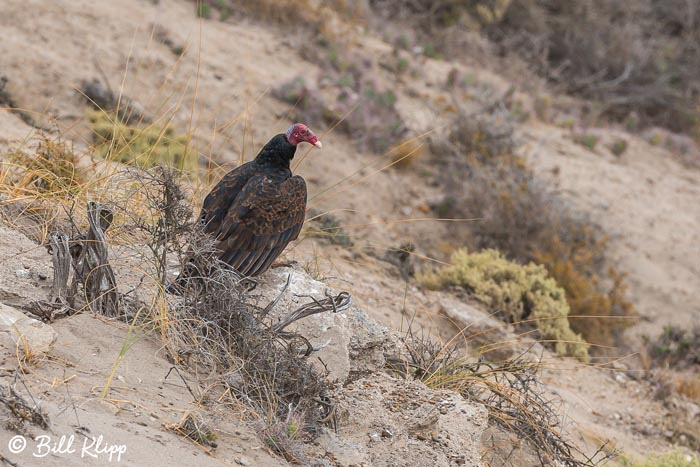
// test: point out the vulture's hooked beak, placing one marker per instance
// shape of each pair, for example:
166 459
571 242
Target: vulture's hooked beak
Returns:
318 144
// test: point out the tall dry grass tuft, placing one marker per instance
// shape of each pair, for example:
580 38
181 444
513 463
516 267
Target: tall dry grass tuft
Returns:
516 400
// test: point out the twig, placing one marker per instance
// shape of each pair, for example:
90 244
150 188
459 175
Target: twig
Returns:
183 380
340 302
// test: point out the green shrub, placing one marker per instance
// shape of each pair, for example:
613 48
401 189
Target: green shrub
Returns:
587 140
669 459
618 147
144 146
516 292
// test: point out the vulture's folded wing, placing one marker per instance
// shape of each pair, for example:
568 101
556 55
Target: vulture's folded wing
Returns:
220 198
265 216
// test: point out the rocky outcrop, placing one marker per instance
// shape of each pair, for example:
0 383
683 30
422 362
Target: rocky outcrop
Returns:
349 344
380 420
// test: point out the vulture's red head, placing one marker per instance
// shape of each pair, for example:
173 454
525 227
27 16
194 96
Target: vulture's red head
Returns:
300 133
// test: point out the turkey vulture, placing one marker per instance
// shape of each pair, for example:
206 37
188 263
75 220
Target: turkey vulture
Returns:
258 208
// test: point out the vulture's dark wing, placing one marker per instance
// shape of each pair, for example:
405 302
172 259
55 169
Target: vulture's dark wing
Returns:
220 198
265 216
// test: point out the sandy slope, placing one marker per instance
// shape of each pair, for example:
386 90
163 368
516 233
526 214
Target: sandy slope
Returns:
647 201
650 206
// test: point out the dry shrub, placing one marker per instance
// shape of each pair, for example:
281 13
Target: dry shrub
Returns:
53 168
330 18
37 180
284 437
510 390
18 412
676 347
618 147
445 27
631 57
406 153
688 386
192 426
480 139
587 140
575 257
520 216
360 108
329 228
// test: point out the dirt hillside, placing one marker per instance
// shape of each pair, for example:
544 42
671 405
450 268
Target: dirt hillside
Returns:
214 80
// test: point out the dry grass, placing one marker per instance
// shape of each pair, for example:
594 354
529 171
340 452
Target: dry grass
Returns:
510 390
18 412
192 426
688 386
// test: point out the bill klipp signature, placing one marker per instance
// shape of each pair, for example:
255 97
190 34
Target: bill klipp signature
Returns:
95 447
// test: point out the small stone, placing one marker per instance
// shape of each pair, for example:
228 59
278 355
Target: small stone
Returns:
374 437
23 273
242 460
386 433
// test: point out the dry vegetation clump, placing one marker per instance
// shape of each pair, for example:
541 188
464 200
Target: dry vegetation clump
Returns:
330 18
630 58
52 168
329 228
444 27
347 95
676 347
101 97
145 146
510 391
519 294
480 139
37 180
193 427
17 412
521 217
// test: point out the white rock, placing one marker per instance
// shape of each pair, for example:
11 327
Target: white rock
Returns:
38 336
23 273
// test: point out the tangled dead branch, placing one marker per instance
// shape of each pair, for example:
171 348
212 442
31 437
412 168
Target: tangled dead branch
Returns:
510 390
87 257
